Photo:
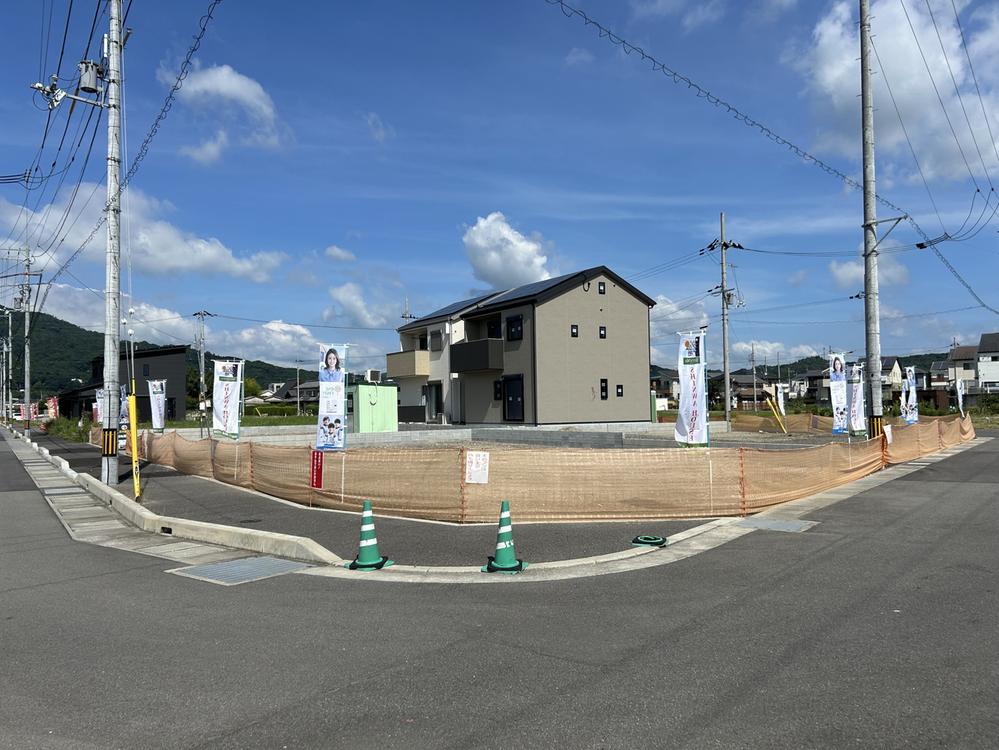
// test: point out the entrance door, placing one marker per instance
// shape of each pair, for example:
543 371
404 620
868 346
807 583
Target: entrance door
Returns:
513 398
435 401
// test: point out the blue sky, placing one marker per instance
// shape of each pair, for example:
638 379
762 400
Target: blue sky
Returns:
327 161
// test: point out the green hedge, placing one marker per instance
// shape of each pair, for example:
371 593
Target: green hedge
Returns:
68 429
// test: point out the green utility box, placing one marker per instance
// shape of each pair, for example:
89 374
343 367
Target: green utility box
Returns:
373 408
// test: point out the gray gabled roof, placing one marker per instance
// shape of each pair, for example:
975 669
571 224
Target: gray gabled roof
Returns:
963 352
939 365
446 312
553 287
988 343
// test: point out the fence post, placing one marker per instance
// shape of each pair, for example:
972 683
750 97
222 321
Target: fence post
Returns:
463 507
742 482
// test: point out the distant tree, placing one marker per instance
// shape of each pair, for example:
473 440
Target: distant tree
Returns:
251 388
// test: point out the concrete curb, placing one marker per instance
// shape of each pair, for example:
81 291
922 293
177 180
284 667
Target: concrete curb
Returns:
252 540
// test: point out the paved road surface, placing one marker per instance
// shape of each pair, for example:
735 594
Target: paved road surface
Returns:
876 628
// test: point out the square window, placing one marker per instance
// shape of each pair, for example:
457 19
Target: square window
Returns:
494 330
603 389
603 332
601 288
436 341
497 390
515 328
574 331
620 390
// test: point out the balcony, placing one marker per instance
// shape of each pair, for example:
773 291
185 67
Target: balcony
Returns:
411 364
484 355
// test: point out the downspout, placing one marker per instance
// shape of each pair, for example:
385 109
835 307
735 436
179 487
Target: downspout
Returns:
534 359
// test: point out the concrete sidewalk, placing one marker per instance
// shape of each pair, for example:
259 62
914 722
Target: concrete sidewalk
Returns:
169 493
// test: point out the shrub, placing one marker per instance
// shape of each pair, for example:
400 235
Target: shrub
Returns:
69 429
274 410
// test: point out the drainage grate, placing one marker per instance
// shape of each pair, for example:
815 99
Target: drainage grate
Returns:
776 524
244 570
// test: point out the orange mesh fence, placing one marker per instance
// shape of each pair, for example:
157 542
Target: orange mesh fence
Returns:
554 484
807 423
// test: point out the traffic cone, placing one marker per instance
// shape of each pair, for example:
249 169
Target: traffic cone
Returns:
505 560
367 551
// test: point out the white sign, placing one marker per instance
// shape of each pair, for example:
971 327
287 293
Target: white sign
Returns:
887 429
226 394
157 403
857 401
960 396
99 395
837 393
910 404
331 427
780 399
477 467
692 418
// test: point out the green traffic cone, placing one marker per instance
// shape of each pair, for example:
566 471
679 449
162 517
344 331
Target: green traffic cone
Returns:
505 560
367 551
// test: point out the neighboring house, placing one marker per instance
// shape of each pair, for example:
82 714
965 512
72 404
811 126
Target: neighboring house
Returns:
891 373
307 391
666 384
963 364
940 375
988 363
565 350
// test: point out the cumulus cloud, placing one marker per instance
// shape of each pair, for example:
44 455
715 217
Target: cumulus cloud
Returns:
771 350
503 257
692 13
798 277
850 274
578 56
158 247
830 65
380 131
224 93
351 308
338 253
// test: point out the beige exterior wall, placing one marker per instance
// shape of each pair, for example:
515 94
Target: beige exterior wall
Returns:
479 405
570 369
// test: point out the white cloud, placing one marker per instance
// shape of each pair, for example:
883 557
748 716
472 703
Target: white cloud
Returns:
668 317
830 65
503 257
338 253
353 309
209 151
224 94
578 56
772 350
850 274
692 14
380 131
158 247
705 12
798 277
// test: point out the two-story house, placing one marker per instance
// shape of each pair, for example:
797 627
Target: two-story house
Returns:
962 364
566 350
988 363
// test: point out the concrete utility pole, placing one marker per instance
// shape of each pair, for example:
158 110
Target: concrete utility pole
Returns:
872 312
753 359
3 384
10 361
26 301
112 306
725 302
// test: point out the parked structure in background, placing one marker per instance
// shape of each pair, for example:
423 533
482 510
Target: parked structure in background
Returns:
988 363
566 350
163 363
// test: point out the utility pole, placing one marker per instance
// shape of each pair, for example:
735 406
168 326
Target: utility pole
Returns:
725 303
201 315
753 360
872 312
10 362
112 292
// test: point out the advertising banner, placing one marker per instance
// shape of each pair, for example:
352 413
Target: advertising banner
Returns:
837 393
331 427
157 403
123 419
858 405
780 400
910 404
692 418
52 404
226 395
316 470
100 404
960 396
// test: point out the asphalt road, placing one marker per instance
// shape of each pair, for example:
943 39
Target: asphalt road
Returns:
876 628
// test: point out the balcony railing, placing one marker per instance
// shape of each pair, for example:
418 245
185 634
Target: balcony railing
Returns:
483 355
411 364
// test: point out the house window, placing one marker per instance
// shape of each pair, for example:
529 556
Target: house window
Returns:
603 389
603 332
497 390
145 371
620 390
515 328
493 330
601 288
574 330
436 343
423 342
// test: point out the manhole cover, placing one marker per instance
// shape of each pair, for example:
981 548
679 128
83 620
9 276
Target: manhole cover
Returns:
244 570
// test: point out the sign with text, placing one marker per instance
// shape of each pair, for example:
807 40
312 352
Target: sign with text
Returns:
316 473
477 467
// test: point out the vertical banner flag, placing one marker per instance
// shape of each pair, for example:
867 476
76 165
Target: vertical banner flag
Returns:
910 404
331 428
858 406
123 419
837 393
316 473
157 403
780 399
100 404
960 396
692 419
226 394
